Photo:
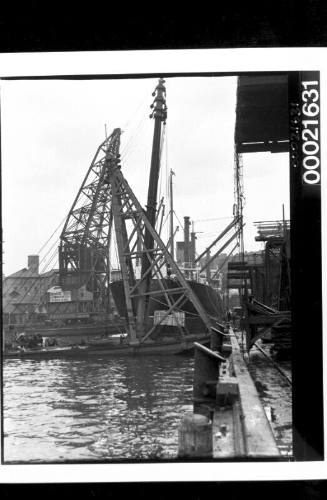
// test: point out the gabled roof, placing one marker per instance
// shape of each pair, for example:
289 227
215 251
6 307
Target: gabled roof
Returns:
28 273
23 273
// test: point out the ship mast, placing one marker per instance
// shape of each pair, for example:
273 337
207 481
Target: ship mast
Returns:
171 216
159 114
136 239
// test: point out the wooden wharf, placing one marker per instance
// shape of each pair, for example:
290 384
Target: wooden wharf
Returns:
228 421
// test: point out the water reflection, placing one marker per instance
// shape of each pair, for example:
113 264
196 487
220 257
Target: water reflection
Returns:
114 409
100 409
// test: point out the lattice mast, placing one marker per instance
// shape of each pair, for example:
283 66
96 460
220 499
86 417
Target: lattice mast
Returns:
131 225
238 212
159 114
239 197
86 236
137 238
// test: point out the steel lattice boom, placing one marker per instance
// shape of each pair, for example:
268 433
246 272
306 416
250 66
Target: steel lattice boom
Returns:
85 239
106 201
131 225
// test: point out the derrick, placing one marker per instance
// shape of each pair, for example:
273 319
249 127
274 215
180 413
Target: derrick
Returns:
127 209
138 241
133 233
159 114
86 235
105 206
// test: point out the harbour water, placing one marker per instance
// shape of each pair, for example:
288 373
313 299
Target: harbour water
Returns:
119 409
95 410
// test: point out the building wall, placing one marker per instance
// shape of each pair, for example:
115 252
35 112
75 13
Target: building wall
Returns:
26 296
24 293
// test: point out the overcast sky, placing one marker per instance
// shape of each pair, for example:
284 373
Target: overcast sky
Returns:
51 130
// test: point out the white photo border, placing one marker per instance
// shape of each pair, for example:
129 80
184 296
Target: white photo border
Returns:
153 63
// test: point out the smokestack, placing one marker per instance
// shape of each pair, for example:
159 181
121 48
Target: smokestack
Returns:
187 240
193 238
33 264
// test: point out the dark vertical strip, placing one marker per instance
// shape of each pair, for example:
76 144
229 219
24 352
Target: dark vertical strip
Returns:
305 191
186 241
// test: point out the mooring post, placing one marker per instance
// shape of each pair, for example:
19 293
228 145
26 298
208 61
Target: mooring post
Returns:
195 436
206 374
229 420
215 339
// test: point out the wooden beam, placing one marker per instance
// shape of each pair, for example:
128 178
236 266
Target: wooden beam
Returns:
259 438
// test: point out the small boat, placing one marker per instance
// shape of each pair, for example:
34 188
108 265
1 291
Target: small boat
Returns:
66 336
44 352
117 347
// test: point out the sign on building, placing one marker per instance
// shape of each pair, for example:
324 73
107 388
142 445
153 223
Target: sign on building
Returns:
56 294
178 318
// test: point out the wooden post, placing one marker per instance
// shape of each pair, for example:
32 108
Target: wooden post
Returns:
215 340
206 374
195 436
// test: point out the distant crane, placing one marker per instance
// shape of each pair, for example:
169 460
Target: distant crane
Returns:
86 235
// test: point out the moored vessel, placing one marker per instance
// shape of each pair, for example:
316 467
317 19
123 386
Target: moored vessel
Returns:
162 310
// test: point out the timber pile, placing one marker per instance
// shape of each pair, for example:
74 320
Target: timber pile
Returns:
228 419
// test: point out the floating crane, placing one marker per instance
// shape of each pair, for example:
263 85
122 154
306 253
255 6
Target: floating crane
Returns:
141 240
106 204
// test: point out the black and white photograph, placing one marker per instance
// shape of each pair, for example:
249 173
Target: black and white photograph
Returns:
155 296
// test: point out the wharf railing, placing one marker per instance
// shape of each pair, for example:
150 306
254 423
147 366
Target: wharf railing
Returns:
228 421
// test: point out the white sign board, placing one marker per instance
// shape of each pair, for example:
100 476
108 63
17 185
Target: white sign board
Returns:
60 296
178 318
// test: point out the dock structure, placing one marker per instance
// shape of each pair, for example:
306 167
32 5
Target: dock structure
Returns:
228 420
225 399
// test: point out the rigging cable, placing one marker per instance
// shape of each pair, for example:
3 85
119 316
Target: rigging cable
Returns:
181 225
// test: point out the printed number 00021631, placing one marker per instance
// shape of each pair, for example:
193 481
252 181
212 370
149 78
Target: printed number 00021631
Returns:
310 133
